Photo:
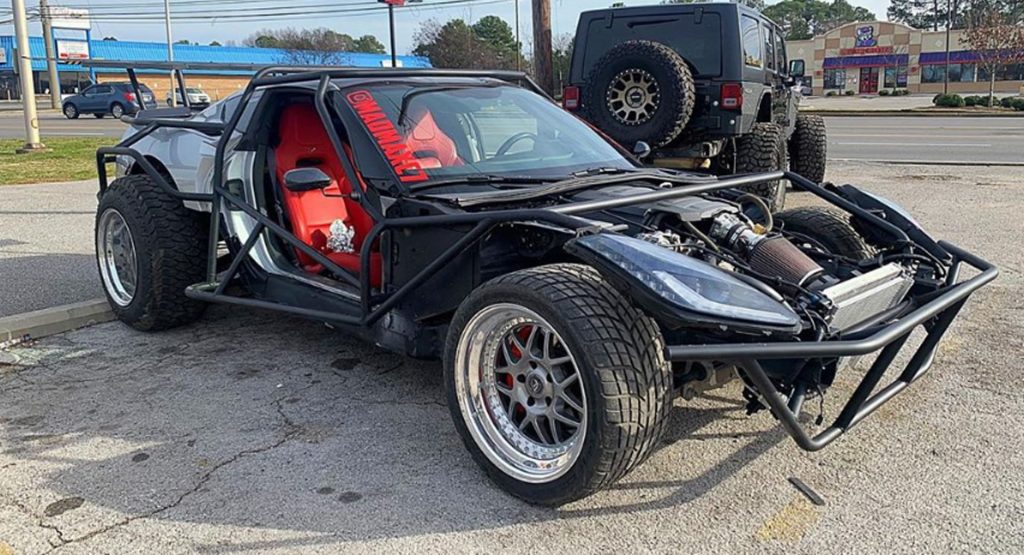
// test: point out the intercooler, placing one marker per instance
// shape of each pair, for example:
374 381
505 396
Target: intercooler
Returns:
864 296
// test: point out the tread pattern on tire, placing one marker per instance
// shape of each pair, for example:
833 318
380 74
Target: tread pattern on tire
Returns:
831 228
625 348
171 240
678 95
808 147
764 150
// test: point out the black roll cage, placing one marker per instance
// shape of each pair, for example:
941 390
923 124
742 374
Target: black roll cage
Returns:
888 332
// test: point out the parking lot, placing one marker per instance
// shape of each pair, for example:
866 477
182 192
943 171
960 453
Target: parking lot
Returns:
255 432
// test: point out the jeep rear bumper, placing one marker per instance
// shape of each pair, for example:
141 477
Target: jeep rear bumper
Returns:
887 335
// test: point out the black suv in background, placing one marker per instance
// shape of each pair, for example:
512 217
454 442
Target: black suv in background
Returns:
706 85
116 99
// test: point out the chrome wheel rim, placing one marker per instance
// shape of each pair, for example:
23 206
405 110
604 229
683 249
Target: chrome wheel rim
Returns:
70 111
115 249
117 111
633 96
520 393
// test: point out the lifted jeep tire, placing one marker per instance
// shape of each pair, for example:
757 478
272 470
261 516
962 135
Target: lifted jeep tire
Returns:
808 147
557 384
764 150
640 91
149 248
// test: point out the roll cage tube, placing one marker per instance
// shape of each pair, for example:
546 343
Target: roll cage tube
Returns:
935 311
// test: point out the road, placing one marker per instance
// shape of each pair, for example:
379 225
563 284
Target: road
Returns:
921 139
253 433
926 139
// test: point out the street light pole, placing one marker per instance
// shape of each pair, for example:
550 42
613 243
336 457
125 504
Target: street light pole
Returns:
519 44
51 56
391 25
28 89
949 23
170 54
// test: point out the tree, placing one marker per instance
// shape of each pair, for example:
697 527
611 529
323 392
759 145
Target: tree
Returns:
112 39
561 58
997 39
368 44
215 43
803 19
319 46
455 44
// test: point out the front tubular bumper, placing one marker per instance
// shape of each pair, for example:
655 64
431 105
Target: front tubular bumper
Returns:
887 335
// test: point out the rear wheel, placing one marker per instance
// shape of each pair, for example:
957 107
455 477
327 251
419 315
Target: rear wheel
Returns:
116 110
808 147
556 383
764 150
830 229
640 91
149 248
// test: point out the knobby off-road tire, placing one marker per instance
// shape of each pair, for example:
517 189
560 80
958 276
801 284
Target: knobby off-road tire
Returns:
616 351
168 253
640 91
808 147
831 229
764 150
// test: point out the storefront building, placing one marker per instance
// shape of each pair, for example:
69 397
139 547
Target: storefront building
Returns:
73 78
866 57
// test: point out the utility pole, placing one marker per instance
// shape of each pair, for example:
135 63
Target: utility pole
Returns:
391 25
51 55
28 89
949 23
519 43
170 55
542 45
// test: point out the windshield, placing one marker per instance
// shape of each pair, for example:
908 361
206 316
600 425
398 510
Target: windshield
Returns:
451 131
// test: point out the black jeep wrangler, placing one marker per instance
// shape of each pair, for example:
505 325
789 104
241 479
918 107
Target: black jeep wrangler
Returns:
707 85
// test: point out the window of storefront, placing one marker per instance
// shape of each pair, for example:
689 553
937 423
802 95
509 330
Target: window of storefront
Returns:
958 73
835 79
895 77
751 41
1013 72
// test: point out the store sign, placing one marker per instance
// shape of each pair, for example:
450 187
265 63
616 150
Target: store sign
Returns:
69 50
70 18
860 51
396 3
3 56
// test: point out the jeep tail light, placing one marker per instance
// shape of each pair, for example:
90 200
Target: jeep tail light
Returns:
130 97
732 96
571 97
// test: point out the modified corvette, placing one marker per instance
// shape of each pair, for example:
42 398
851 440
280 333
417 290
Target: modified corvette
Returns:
572 293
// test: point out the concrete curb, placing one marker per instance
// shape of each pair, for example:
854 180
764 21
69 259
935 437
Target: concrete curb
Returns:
911 114
966 163
59 319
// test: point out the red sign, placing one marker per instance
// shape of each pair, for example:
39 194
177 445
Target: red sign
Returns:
397 3
865 50
407 167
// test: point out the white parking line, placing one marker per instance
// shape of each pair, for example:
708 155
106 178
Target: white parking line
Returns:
914 144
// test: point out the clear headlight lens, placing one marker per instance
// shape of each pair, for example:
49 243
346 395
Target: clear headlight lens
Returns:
687 283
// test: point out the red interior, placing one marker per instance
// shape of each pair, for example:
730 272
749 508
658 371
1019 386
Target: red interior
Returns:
430 145
304 143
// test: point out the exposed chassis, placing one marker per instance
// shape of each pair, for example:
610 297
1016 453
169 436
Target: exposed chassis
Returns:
887 333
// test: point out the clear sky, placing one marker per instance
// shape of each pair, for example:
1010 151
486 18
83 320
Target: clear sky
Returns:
408 18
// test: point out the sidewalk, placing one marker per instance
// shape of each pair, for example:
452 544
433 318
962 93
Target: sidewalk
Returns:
918 104
46 246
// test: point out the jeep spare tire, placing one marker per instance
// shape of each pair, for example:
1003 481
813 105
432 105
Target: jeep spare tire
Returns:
640 91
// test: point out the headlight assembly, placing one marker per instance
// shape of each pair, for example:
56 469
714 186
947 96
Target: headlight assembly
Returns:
694 291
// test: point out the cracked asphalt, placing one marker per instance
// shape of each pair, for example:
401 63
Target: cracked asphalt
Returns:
252 432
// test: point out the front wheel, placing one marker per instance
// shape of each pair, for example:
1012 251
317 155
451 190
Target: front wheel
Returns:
764 150
556 382
808 147
71 111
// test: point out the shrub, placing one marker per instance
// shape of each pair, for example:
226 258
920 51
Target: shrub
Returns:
848 92
883 92
935 99
1007 102
903 92
1017 103
831 93
973 100
950 101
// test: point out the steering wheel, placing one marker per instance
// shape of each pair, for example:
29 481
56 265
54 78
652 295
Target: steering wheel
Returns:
511 141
